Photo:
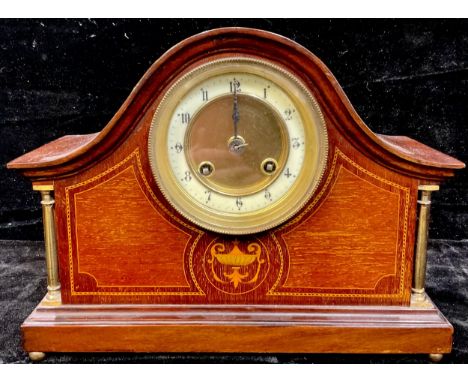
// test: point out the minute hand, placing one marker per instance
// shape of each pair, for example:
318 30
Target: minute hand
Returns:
235 112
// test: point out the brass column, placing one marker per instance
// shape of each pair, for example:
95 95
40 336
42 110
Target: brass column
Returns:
53 284
419 279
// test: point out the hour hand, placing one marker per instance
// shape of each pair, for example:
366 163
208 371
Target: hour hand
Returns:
239 146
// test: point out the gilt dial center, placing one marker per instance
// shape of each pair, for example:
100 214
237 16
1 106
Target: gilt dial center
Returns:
232 150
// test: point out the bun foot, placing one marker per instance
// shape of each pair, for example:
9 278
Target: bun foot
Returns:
436 357
36 356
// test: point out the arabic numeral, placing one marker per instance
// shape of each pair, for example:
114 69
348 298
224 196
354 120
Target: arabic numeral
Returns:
295 143
204 94
185 117
234 86
265 91
208 196
239 203
287 174
268 195
178 147
288 114
188 176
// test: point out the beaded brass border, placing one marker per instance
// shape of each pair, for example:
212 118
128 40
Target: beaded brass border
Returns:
135 154
297 219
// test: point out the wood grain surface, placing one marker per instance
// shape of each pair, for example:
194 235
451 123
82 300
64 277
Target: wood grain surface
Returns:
287 329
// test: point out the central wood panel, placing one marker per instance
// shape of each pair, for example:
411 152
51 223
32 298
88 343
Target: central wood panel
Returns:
347 245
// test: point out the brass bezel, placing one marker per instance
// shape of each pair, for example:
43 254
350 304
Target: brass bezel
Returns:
307 181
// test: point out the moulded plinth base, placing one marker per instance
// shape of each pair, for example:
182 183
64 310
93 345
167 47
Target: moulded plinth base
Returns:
242 329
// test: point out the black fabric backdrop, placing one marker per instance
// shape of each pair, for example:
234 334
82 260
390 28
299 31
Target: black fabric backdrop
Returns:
59 77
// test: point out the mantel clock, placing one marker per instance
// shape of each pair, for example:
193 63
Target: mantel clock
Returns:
236 203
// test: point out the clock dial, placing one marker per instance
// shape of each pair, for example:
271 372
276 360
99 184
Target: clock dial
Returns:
238 145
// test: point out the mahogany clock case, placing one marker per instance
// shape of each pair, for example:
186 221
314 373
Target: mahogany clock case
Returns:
342 157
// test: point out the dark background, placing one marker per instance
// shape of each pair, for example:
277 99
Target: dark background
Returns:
59 77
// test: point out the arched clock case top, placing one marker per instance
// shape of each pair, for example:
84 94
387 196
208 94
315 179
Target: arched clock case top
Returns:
118 240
